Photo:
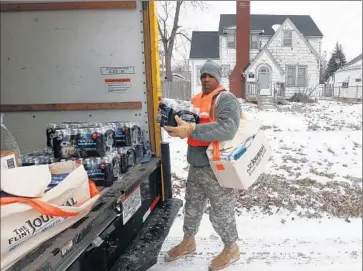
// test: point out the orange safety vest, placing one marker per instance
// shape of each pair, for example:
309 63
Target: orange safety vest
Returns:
202 105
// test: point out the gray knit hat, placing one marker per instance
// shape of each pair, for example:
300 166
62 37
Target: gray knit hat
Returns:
213 69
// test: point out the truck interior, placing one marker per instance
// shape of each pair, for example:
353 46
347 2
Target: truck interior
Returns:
91 61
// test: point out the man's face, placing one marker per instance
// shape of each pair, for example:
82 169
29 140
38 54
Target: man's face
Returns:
209 83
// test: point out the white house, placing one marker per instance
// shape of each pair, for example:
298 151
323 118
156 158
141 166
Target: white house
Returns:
284 53
347 81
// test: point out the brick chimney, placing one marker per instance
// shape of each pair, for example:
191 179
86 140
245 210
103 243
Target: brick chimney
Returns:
237 81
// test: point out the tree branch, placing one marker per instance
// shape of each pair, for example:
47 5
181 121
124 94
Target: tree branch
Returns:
171 36
162 34
175 24
184 35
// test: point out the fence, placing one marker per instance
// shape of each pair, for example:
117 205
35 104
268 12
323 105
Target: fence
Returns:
251 89
320 92
347 93
180 90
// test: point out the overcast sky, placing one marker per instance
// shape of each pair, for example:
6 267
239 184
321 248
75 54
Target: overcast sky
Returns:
338 20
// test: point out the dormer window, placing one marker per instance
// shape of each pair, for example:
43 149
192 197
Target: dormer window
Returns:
231 40
255 42
287 38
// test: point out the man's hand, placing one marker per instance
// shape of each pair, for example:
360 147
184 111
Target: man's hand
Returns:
183 130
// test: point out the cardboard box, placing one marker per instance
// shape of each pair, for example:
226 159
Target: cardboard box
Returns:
33 220
242 173
9 159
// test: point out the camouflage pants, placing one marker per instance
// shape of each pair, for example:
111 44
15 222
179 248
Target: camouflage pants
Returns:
202 185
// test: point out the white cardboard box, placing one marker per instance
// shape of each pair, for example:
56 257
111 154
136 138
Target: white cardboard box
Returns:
8 160
242 173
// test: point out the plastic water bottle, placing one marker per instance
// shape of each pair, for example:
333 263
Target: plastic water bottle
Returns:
8 142
239 151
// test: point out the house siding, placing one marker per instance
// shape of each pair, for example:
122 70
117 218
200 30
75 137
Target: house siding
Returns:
253 53
349 74
354 89
264 40
195 85
316 43
265 60
227 57
297 54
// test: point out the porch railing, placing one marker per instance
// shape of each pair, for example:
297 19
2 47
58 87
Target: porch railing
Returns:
251 89
278 90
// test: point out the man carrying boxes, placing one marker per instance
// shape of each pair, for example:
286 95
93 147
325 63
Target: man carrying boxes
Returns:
220 115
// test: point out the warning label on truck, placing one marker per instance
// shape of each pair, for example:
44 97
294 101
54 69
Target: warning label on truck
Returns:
118 84
131 204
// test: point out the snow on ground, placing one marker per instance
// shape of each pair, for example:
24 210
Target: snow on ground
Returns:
304 213
267 244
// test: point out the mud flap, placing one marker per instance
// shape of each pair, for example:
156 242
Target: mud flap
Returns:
143 252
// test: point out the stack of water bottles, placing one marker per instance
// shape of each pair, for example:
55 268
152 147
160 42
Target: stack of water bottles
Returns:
167 112
105 149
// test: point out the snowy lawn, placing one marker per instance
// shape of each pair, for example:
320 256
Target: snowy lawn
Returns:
304 213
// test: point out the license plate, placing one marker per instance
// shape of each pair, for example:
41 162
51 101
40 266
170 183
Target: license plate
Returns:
131 204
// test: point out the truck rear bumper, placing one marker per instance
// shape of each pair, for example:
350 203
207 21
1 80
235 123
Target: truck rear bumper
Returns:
143 252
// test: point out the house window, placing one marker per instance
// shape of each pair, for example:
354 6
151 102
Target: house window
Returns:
225 71
296 76
287 38
345 84
231 40
290 76
255 42
358 80
301 76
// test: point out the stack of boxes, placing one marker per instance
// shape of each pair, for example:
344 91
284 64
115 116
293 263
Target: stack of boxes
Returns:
106 150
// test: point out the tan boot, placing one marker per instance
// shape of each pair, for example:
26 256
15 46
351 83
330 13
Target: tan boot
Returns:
228 256
187 246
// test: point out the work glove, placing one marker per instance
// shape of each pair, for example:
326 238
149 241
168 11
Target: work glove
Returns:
183 130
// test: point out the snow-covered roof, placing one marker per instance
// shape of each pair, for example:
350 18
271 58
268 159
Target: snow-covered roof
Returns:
353 61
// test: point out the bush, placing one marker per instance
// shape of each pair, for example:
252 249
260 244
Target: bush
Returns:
301 98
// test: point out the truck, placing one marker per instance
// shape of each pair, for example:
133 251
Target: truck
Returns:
91 61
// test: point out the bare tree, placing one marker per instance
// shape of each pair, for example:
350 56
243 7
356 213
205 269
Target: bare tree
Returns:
169 29
182 65
323 66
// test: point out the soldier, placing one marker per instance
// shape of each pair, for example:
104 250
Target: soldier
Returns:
202 183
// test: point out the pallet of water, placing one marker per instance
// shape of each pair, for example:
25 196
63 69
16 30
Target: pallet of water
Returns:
106 150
